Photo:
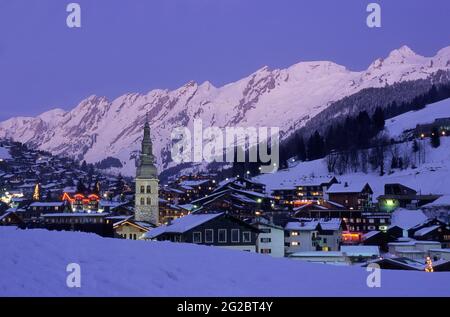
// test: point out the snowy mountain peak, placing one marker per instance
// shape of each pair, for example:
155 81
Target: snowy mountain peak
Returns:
403 55
52 115
442 58
287 98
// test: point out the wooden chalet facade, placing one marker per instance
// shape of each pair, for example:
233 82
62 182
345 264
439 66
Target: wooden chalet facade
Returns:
351 196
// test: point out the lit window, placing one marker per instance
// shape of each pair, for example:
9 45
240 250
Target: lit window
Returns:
295 243
294 233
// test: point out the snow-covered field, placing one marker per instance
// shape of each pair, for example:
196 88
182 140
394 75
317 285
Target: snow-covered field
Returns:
33 263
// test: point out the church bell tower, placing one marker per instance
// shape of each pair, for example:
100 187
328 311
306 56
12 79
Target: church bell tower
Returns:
146 193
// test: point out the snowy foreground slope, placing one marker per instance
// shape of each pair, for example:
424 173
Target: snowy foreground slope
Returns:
33 263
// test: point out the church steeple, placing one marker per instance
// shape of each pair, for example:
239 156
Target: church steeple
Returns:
146 193
146 167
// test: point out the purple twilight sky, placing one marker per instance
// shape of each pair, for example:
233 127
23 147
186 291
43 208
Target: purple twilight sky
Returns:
135 46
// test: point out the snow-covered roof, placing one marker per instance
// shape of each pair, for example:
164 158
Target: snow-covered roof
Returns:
182 224
413 243
370 234
47 204
424 231
317 206
194 182
309 224
302 225
353 187
76 214
406 219
443 201
330 224
6 215
251 193
317 254
440 250
108 203
360 250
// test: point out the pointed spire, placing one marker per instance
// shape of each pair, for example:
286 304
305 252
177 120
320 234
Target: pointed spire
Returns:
147 146
146 166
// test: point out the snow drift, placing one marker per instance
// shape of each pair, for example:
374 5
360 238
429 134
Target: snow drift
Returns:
33 263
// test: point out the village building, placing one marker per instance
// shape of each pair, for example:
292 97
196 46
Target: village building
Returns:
83 222
270 239
442 125
81 202
355 196
241 203
360 253
306 191
214 229
129 229
400 196
313 235
414 250
169 212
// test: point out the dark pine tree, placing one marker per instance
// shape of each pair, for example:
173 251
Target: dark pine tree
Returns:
435 138
81 188
415 147
363 130
300 147
378 119
84 166
316 146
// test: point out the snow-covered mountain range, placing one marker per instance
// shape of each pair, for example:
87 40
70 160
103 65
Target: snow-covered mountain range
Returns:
288 98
